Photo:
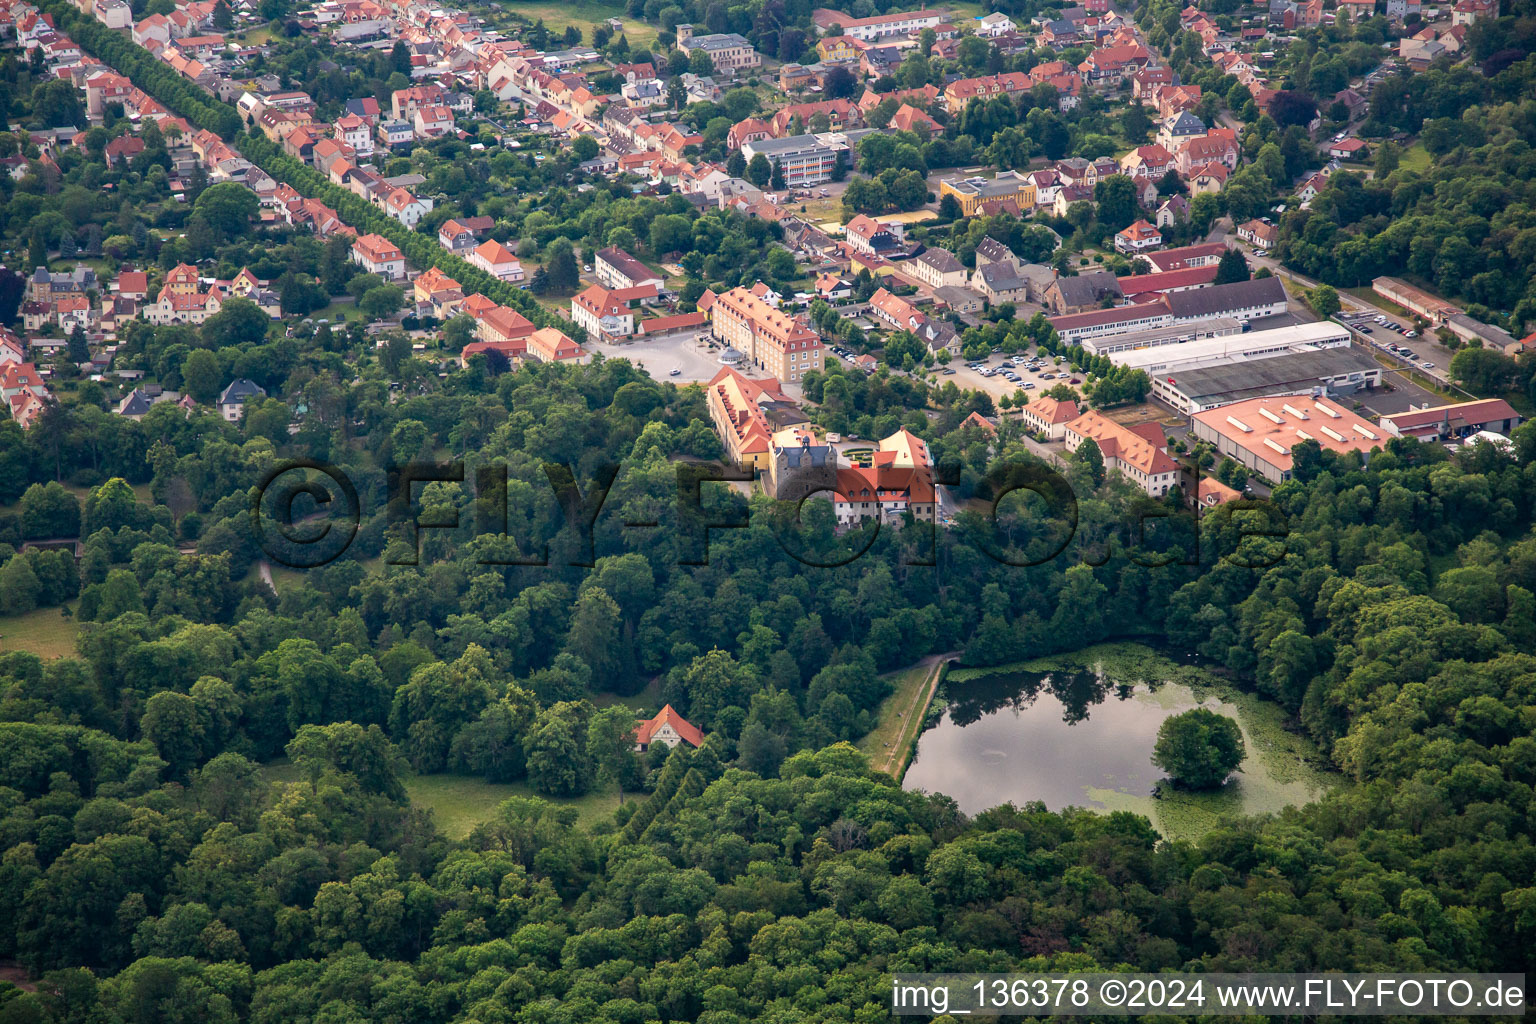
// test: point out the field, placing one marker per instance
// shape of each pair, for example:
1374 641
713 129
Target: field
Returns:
44 632
584 14
458 803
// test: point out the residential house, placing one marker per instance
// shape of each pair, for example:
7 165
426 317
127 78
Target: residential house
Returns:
867 235
1048 416
1174 210
1210 178
1082 293
1000 282
1349 149
1467 12
1181 126
234 398
1261 234
378 255
495 259
1138 238
833 287
668 728
834 49
1148 163
750 130
459 235
408 209
1219 145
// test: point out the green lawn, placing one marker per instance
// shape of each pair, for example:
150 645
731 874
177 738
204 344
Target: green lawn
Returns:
1384 304
458 803
963 10
338 311
897 725
1416 158
45 632
584 14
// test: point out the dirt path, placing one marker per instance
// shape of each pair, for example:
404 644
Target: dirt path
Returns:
913 715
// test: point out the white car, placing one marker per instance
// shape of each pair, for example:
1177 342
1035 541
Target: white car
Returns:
1429 366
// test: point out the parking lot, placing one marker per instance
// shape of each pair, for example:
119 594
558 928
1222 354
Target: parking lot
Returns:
991 376
1396 340
695 359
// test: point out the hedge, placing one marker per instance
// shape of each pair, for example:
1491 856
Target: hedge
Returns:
204 110
672 773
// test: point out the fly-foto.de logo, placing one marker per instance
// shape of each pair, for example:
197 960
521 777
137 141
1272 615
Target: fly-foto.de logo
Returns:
306 514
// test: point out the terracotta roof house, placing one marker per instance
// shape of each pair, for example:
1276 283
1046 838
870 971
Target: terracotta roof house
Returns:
1049 416
667 727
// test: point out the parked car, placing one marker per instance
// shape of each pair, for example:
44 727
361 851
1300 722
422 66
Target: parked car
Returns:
1365 329
949 371
1028 385
1429 366
1047 376
1410 334
1075 380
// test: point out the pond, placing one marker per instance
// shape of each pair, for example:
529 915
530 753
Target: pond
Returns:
1079 731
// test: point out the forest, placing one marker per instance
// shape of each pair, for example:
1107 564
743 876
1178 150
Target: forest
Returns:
153 872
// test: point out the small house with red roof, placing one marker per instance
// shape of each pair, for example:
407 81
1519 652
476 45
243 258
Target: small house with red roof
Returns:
667 727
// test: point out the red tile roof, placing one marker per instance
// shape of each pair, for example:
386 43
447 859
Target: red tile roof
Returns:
667 716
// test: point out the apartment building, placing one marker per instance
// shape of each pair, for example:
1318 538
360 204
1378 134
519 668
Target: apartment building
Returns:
773 341
1138 453
616 268
802 159
937 268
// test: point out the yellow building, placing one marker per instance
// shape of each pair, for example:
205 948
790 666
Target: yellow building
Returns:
970 193
746 414
837 48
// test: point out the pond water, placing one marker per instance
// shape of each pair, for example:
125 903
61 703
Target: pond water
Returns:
1080 732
